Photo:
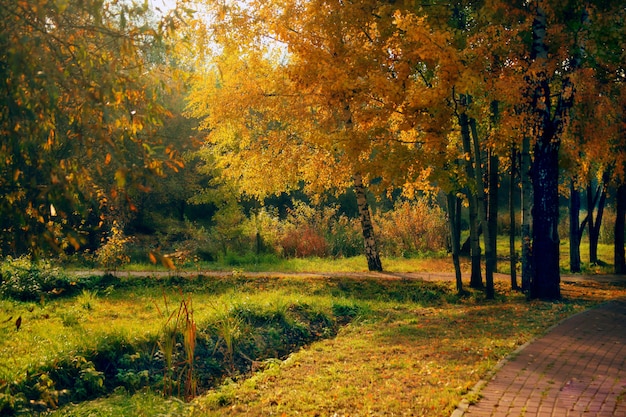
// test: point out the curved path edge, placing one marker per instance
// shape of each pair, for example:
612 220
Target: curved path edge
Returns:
577 368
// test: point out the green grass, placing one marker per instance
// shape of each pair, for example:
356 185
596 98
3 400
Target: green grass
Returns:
405 346
404 359
440 262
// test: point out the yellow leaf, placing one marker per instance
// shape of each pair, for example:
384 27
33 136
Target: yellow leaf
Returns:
120 178
75 243
167 262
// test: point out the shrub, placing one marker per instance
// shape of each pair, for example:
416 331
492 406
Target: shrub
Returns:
412 227
27 280
345 237
305 229
304 242
114 252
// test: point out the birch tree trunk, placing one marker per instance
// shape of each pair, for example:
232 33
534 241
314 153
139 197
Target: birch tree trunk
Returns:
365 216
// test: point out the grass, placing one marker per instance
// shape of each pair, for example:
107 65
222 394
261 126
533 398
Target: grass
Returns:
405 347
402 360
439 262
312 265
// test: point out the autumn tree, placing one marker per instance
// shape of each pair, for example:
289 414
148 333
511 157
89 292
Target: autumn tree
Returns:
318 97
77 116
541 68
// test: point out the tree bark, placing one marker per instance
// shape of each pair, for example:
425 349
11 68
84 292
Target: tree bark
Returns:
490 250
596 223
546 279
365 216
476 280
549 113
494 177
574 228
454 220
620 222
513 226
527 204
371 249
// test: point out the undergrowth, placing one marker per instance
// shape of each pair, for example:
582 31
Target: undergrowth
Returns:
184 355
241 345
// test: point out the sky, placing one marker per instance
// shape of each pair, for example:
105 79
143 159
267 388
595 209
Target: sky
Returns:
164 5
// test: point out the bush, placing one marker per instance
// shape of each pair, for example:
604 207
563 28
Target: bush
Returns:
304 229
412 227
304 242
27 280
114 252
345 237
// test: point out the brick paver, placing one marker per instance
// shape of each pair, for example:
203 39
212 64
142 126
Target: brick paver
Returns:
577 369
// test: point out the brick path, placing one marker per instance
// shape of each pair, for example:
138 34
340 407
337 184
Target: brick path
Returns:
577 369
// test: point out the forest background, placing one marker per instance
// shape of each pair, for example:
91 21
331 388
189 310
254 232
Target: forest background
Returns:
222 130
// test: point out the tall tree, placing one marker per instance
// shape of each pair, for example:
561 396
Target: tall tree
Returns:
596 201
331 92
454 220
575 229
551 97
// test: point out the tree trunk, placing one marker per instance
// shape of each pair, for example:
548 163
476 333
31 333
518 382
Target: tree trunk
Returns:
596 223
513 226
549 113
574 228
371 249
546 278
494 174
454 220
620 221
365 216
527 204
476 277
476 280
490 250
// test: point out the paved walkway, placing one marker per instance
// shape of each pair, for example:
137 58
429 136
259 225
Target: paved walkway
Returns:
577 369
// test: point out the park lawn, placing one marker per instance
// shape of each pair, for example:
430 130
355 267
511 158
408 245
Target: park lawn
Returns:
428 262
407 360
414 348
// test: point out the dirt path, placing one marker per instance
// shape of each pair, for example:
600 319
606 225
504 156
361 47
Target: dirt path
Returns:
426 276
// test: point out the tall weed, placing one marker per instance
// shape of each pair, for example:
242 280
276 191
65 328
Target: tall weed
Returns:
179 372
